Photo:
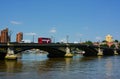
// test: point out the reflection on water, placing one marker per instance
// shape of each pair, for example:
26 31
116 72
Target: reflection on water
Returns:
9 66
13 66
38 66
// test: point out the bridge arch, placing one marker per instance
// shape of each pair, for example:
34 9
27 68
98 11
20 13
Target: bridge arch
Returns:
60 50
52 51
89 51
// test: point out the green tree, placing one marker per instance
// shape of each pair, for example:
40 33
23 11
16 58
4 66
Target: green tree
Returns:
89 42
104 41
104 45
116 41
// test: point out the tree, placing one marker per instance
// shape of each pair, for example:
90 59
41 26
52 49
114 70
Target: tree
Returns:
116 41
104 45
104 41
89 42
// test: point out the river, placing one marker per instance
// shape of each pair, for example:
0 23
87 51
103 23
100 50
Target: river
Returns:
38 66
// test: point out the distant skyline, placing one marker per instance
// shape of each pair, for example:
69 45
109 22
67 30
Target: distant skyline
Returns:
81 20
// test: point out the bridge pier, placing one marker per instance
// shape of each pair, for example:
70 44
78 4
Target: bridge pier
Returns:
10 54
115 52
68 53
100 52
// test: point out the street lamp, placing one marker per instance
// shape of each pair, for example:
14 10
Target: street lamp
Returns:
33 38
9 35
53 39
67 37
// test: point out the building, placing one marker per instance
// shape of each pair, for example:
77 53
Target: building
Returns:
109 38
4 38
19 37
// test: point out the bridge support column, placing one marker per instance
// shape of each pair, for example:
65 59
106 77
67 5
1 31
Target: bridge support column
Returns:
10 54
100 52
68 54
115 52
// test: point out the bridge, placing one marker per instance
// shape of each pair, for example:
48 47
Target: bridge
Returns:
57 50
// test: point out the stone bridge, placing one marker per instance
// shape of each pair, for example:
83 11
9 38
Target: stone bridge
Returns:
57 50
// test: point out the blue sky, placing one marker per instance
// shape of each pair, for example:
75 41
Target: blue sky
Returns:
79 19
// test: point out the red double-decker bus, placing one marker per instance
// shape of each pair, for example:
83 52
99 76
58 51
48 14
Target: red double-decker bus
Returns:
42 40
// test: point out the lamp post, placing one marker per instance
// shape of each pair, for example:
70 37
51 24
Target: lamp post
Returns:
33 38
53 39
67 37
9 35
80 40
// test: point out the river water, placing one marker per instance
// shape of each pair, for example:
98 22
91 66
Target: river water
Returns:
38 66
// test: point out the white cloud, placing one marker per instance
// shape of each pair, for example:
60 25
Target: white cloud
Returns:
98 38
79 35
63 40
27 41
15 22
76 42
53 30
30 34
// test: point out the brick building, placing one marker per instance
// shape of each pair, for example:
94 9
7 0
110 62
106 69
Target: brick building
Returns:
4 38
19 37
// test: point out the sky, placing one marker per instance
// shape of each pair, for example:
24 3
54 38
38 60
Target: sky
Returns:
77 20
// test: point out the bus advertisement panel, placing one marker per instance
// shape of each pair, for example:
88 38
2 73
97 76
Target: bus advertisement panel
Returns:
42 40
